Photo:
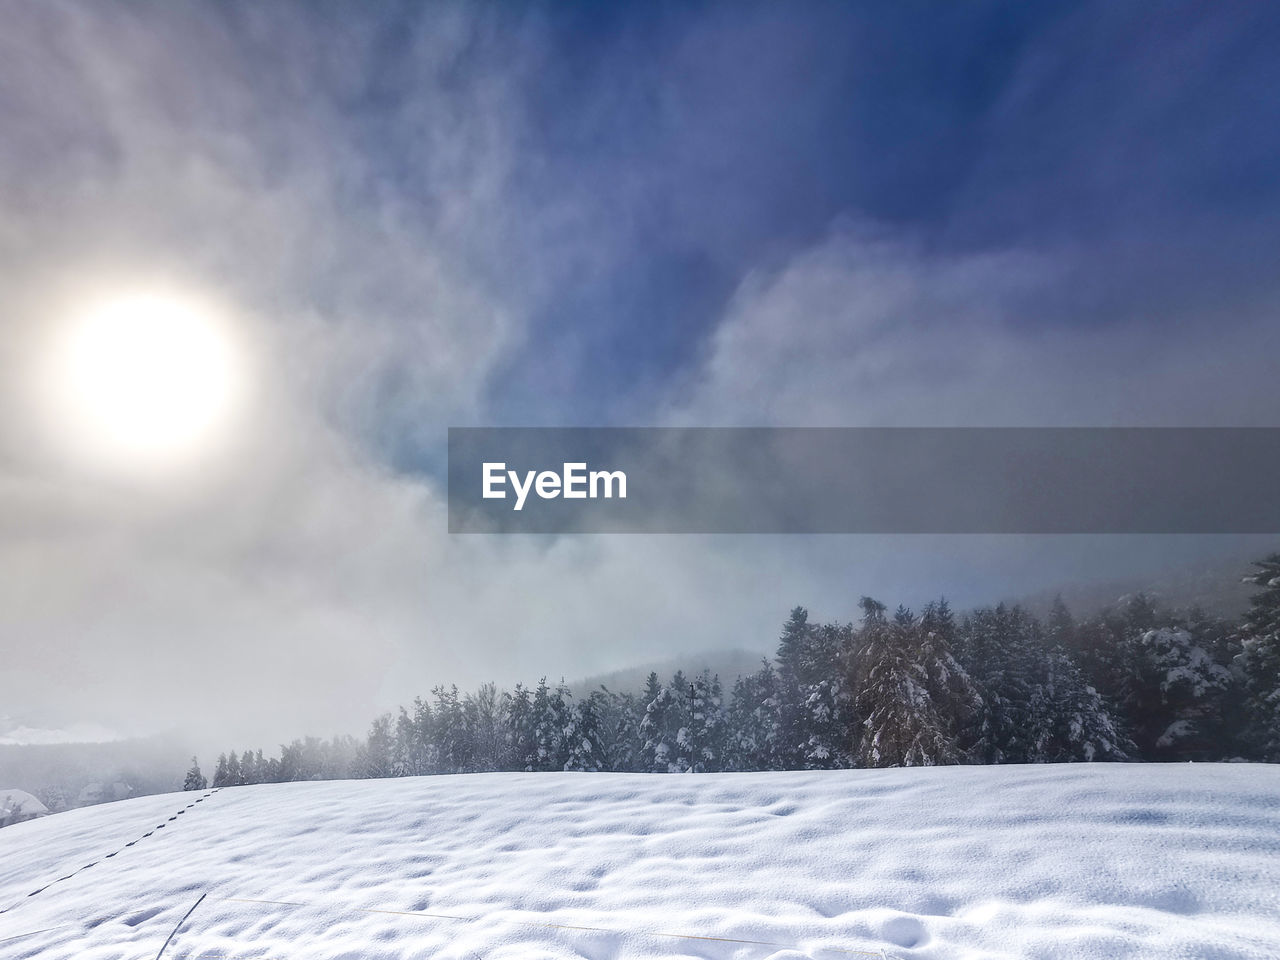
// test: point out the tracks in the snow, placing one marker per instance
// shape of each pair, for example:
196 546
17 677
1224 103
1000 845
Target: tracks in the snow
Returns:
113 853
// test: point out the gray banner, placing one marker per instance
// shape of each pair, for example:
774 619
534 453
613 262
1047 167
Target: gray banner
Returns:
864 480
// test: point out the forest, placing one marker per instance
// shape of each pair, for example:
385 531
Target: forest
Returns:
901 688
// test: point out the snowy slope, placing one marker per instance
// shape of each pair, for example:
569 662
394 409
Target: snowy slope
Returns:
1067 861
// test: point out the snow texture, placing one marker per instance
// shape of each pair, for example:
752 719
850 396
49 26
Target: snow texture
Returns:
1070 861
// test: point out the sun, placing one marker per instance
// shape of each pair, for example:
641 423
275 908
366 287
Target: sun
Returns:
146 379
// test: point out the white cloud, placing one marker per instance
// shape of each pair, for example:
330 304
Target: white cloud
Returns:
868 329
293 582
298 583
278 582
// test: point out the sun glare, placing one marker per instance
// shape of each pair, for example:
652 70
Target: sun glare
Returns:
147 379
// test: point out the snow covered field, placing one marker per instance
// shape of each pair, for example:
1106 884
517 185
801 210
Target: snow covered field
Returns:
1063 861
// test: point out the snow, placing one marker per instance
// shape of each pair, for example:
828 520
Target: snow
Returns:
1176 731
18 804
1070 861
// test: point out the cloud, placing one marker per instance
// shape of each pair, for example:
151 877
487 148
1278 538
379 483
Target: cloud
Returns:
232 156
373 203
297 580
867 328
219 151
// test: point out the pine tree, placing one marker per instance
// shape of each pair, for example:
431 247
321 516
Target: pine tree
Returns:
403 738
311 759
659 728
792 658
451 734
1192 691
483 712
754 721
1060 631
705 737
552 726
291 762
998 647
522 743
679 720
1067 719
790 655
956 696
195 779
340 758
1111 654
1139 694
1144 665
904 725
824 698
1259 660
376 756
620 726
424 751
586 747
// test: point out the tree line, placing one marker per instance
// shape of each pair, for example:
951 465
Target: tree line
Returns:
997 685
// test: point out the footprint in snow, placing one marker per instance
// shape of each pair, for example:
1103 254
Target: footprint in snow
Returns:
905 932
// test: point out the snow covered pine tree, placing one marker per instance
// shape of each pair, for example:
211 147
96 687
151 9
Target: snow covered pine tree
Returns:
195 780
913 693
1259 659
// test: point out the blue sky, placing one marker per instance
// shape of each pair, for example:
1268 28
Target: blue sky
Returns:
1137 149
418 216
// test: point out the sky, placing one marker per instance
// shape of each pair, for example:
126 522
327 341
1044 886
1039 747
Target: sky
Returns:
423 216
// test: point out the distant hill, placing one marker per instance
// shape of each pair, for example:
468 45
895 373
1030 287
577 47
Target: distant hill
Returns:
1214 587
727 664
